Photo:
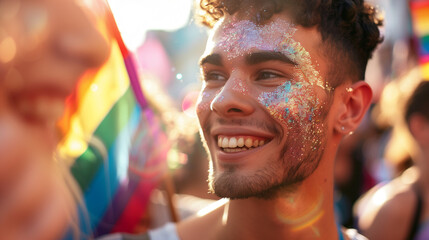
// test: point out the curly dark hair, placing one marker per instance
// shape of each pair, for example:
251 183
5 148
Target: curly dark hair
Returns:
350 27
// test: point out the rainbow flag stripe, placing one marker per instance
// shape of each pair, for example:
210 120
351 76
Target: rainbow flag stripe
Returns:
115 168
420 17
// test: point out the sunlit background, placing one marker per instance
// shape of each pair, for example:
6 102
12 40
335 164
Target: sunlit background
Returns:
165 39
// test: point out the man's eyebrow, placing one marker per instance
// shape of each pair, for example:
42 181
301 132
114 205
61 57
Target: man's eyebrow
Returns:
213 58
264 56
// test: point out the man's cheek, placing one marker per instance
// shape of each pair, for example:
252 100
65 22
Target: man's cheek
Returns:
206 98
303 105
289 103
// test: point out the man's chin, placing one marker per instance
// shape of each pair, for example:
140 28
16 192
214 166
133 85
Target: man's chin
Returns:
235 187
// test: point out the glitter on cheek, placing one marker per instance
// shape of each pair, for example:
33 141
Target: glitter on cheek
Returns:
289 102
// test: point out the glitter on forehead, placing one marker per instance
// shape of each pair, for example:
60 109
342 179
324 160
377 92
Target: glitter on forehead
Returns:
239 37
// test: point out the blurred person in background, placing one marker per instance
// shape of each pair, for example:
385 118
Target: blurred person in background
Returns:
403 201
45 47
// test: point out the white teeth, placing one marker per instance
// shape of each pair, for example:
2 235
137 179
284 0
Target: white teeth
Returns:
237 145
248 143
225 143
232 142
240 142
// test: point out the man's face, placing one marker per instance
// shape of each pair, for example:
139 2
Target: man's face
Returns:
263 106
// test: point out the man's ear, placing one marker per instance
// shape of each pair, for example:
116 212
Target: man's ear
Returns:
355 103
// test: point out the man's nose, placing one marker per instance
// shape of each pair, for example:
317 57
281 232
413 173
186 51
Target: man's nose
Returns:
77 36
233 100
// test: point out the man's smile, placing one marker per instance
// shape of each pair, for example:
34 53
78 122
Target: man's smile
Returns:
239 143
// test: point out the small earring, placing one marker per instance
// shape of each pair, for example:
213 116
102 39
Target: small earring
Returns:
343 128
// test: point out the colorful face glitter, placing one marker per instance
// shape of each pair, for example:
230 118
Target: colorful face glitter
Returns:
261 81
299 55
295 103
242 37
297 107
238 38
291 102
239 85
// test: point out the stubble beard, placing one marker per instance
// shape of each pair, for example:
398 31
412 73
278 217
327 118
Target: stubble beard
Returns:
269 182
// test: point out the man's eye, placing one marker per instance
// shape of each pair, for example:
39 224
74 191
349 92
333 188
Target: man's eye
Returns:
267 75
214 76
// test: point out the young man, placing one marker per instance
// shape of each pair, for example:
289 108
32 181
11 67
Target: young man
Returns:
281 88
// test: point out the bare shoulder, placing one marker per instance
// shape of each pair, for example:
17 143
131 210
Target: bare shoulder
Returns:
205 224
385 206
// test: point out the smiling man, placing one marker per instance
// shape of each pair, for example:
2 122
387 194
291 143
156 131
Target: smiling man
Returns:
282 85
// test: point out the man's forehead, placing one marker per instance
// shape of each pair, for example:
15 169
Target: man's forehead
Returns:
236 37
233 38
235 26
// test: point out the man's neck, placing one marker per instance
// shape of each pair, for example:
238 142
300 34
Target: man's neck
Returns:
305 213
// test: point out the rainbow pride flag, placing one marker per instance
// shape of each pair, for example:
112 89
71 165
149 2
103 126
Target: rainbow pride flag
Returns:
113 141
420 17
